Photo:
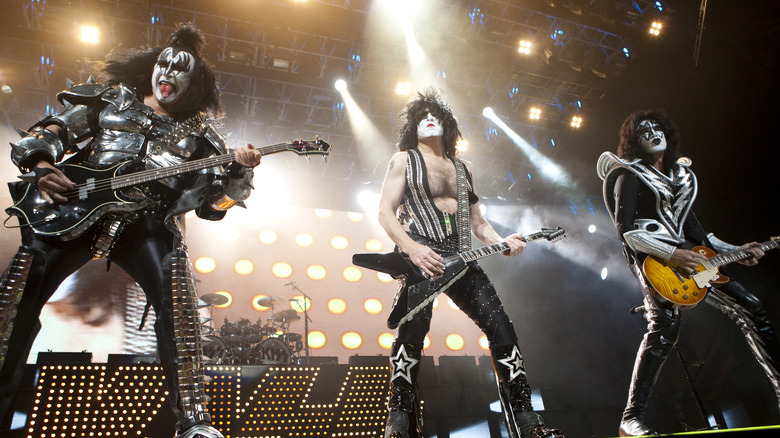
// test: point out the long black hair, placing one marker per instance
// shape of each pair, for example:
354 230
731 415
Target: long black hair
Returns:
134 67
629 147
426 102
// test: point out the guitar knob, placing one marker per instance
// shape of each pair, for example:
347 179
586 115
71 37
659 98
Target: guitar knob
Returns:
685 287
685 297
695 293
675 291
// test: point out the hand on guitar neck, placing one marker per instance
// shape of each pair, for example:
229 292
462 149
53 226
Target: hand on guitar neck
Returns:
688 261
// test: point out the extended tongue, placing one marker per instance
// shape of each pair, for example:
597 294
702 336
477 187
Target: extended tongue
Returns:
166 90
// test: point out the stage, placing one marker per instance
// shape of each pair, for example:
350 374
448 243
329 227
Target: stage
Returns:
65 395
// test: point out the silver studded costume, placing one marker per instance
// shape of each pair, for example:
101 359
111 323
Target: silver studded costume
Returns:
652 214
473 293
147 242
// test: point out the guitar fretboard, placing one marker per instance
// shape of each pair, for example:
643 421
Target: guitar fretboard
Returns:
474 254
739 254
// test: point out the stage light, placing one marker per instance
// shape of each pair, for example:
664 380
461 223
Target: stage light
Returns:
426 342
205 265
655 28
256 305
374 245
592 229
300 304
403 88
339 242
385 340
323 213
372 306
462 145
454 342
316 272
341 85
384 278
89 35
524 48
351 340
227 295
282 270
535 113
604 273
244 267
452 304
356 216
304 240
576 122
488 112
352 274
316 339
337 306
483 343
268 237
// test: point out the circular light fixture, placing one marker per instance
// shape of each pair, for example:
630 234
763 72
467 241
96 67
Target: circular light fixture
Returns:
316 339
372 306
244 267
374 245
268 237
282 270
205 265
316 272
352 274
454 342
337 306
304 240
339 242
351 340
385 340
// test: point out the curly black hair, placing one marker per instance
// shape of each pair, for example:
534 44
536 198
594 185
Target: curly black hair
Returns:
426 102
629 147
134 67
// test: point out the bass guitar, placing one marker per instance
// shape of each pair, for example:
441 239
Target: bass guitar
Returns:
671 284
98 191
420 290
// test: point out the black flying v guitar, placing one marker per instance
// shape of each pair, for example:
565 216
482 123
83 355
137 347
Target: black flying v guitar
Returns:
97 192
421 291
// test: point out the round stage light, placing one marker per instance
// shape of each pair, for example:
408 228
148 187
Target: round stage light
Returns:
483 343
384 278
372 306
205 265
227 295
323 213
352 274
244 267
337 306
452 304
316 272
374 245
385 340
355 216
341 85
304 240
426 342
282 270
316 339
297 303
257 306
268 237
351 340
339 242
454 342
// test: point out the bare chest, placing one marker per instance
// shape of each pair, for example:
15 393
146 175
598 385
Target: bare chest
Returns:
442 180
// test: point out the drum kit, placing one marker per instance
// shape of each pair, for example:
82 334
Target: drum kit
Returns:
245 343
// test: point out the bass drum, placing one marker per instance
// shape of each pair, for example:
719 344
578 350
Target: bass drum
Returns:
271 351
214 350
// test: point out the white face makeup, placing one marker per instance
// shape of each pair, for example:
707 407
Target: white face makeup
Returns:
172 75
430 126
651 137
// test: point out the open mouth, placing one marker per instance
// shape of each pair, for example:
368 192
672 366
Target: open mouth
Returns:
656 141
166 88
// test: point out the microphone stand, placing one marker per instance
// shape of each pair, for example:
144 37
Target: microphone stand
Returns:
306 320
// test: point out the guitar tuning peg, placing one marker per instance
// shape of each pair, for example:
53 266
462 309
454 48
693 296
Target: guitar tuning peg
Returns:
324 158
308 159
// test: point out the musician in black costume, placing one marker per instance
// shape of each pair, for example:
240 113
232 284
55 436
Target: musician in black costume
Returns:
649 189
429 206
152 108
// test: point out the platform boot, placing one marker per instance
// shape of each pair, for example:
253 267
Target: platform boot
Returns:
649 359
404 418
515 395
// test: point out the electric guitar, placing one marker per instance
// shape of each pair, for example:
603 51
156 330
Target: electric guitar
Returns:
97 192
420 290
670 283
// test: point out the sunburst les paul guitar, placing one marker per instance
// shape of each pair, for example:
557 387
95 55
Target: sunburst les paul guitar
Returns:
420 290
672 284
98 191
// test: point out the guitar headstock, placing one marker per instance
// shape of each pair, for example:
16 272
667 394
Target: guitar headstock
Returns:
553 234
317 146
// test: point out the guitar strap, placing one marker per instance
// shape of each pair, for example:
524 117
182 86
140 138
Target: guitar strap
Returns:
462 220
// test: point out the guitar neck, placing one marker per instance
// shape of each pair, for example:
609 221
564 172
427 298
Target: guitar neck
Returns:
145 176
739 254
475 254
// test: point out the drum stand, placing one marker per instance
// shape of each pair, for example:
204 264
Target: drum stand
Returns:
306 320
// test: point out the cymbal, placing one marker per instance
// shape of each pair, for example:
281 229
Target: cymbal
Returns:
269 301
214 299
287 315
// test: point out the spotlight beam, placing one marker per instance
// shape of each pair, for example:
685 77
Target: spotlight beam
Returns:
548 168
